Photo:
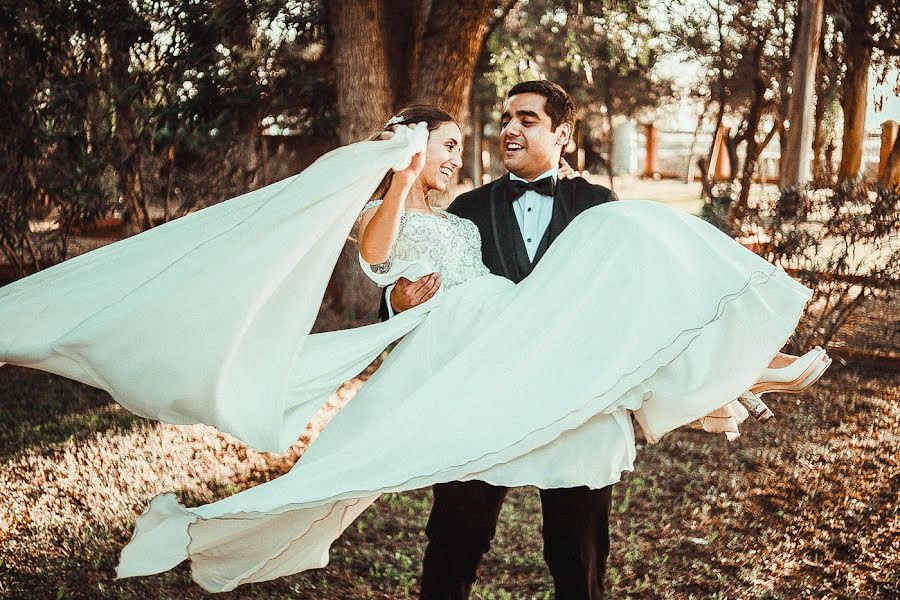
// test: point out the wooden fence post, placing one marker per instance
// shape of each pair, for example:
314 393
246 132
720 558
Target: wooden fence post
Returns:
889 131
720 165
652 133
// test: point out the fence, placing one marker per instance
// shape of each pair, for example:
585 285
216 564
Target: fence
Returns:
678 151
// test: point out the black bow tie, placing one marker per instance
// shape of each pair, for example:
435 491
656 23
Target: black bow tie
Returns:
517 187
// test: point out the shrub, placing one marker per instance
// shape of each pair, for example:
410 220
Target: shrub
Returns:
844 243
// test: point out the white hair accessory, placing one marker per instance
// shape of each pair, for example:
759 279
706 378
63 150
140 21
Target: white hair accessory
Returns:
395 120
415 139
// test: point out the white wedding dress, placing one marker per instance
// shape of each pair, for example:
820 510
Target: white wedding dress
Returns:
635 308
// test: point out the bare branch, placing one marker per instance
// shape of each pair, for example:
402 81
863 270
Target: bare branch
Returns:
886 48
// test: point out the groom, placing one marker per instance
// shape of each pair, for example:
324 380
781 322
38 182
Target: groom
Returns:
519 215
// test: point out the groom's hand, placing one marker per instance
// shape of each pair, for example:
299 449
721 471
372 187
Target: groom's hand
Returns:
407 294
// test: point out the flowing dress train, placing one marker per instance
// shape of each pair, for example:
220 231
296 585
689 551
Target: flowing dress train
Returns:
635 309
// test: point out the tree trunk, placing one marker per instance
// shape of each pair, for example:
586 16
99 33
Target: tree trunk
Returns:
731 144
364 96
855 87
476 165
580 143
364 103
136 215
450 47
795 168
824 94
738 211
818 138
403 27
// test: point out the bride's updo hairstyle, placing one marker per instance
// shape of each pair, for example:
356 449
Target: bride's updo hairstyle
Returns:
433 116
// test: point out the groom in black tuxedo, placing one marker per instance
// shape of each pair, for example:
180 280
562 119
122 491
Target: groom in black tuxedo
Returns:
519 215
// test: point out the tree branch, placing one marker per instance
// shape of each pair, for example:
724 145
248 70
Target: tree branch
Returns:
775 129
886 48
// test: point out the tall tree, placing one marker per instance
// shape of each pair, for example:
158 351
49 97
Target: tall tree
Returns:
389 53
795 168
871 35
745 50
855 88
604 53
829 73
362 79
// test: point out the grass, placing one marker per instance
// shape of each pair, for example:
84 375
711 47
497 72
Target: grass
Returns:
804 507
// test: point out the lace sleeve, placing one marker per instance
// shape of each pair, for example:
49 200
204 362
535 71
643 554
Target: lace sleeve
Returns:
380 268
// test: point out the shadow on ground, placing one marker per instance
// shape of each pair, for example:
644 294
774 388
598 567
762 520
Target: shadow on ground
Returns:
42 410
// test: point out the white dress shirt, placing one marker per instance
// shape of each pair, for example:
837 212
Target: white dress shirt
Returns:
533 213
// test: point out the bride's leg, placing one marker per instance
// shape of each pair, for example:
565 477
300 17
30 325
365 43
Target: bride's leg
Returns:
782 360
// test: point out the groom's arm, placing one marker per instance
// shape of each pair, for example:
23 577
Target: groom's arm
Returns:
385 311
588 195
598 194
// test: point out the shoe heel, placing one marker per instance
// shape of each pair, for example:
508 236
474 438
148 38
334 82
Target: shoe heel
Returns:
756 407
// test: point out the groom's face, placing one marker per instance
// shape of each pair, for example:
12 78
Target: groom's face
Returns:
529 143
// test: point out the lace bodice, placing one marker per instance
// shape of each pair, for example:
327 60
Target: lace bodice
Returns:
452 245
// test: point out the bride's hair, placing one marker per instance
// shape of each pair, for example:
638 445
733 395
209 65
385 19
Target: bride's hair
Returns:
432 116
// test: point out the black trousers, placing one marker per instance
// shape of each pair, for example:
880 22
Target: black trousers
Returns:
463 521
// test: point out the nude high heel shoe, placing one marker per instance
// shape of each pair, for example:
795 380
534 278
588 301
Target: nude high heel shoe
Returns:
795 377
756 407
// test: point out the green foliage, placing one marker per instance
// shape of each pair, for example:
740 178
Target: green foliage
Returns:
882 33
716 207
145 109
744 51
603 53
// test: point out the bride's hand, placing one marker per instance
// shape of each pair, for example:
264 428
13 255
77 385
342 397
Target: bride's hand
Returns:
416 163
410 173
566 171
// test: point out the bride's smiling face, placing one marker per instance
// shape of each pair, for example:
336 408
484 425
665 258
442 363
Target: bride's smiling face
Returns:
443 156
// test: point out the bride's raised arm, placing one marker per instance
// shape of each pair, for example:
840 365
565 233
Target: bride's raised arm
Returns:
380 225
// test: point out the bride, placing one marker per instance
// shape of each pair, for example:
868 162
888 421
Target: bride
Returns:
644 311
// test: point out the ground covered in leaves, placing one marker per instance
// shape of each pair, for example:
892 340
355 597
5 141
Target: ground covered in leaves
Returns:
803 507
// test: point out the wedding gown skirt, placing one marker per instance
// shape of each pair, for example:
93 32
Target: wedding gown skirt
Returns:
635 308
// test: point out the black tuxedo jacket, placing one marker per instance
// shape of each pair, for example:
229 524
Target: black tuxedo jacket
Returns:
502 247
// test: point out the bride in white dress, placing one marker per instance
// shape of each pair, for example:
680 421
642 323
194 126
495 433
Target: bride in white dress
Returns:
207 319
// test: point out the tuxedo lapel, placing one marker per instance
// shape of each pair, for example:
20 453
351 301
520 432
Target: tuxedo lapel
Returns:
506 233
563 213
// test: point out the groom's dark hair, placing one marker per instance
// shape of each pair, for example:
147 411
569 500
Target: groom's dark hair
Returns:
559 104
